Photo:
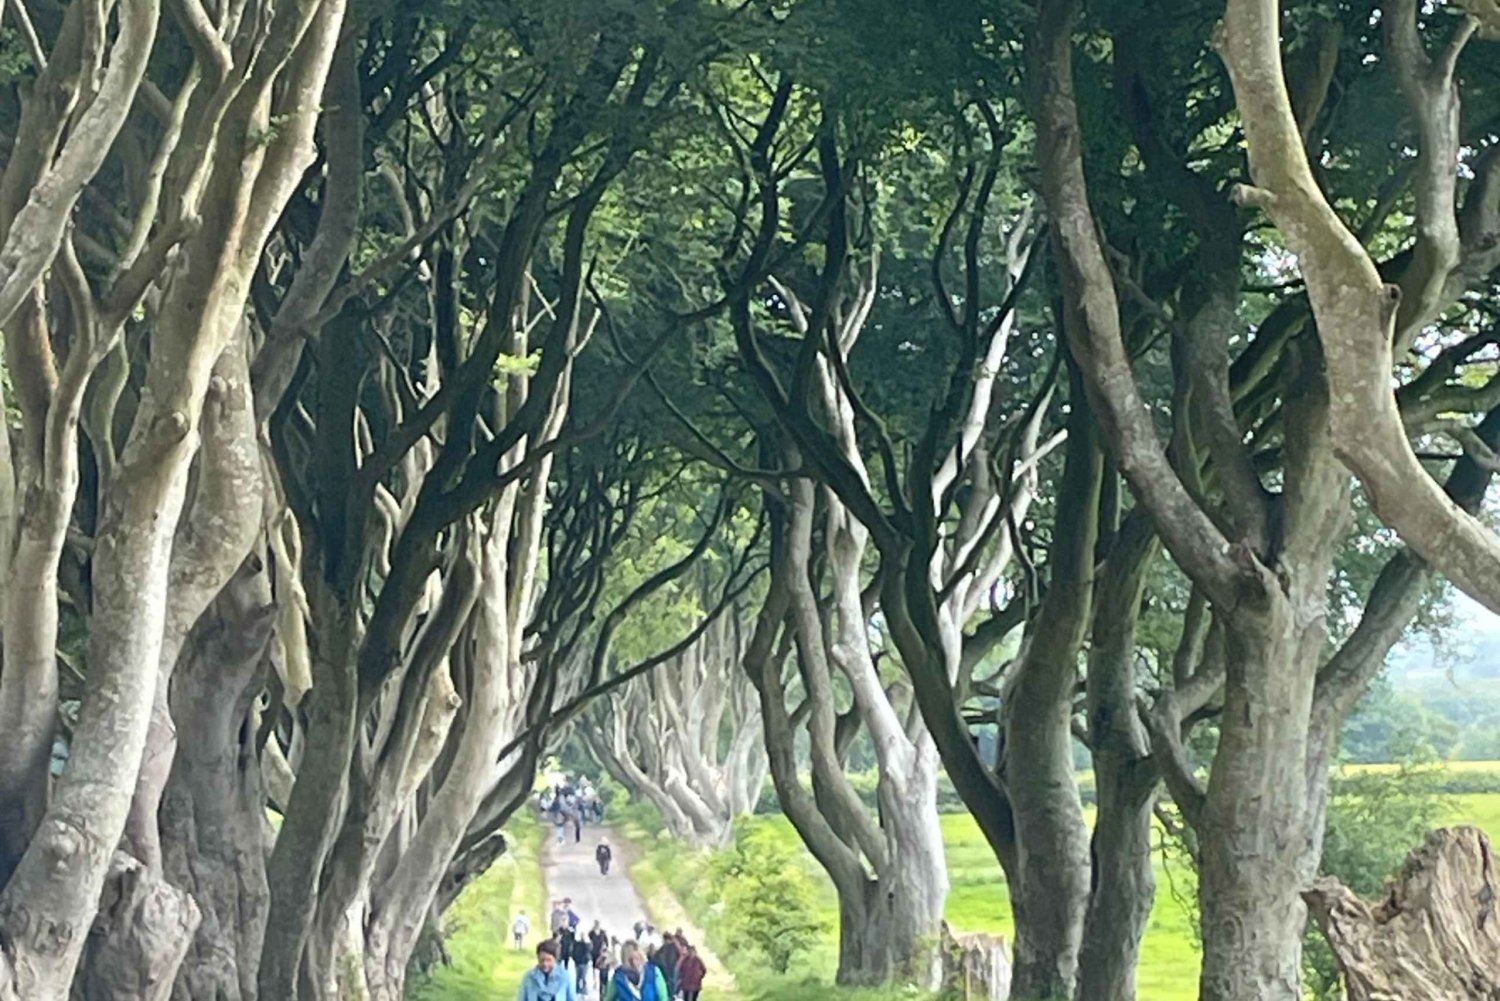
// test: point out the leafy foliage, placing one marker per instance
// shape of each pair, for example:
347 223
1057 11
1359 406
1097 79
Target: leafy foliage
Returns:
767 896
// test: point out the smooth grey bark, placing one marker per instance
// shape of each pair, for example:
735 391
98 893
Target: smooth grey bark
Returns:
49 902
314 808
218 528
215 836
58 155
891 878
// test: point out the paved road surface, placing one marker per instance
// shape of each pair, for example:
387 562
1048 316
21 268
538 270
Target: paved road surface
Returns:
570 871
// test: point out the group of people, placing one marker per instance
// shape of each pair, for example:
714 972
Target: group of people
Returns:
650 967
571 804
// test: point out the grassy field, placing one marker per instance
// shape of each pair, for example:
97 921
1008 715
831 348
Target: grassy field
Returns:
978 901
485 967
486 970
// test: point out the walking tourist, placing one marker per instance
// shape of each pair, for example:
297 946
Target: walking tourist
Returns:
666 958
573 918
598 940
690 975
637 979
604 965
583 962
519 929
545 982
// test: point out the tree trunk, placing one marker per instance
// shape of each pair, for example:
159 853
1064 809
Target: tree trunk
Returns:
975 967
140 936
210 542
1258 852
1049 891
914 888
50 901
314 812
217 531
1123 884
1434 937
214 831
1050 887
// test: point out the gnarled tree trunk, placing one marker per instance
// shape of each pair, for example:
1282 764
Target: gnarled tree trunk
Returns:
215 836
1436 934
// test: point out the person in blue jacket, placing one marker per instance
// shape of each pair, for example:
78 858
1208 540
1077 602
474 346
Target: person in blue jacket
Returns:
636 979
547 981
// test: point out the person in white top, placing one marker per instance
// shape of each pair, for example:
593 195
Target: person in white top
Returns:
519 930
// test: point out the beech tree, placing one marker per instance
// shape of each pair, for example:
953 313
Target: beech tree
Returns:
195 222
1261 556
688 736
369 370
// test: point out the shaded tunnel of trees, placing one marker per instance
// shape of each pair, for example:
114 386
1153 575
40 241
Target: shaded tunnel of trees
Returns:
395 389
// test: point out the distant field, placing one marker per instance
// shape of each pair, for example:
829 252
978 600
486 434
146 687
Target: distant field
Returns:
485 970
979 900
1455 767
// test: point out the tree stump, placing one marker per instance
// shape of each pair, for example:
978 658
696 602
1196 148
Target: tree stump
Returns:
1436 934
975 967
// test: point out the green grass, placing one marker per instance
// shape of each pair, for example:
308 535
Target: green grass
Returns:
978 902
1480 809
1453 767
485 967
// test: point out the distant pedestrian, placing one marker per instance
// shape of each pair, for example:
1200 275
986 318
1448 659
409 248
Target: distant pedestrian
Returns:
519 929
690 975
604 965
666 958
598 941
582 964
559 919
545 982
561 820
640 930
604 855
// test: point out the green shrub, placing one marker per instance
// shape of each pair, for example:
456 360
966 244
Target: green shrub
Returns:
768 899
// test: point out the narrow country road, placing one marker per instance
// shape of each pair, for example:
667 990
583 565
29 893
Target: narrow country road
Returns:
570 871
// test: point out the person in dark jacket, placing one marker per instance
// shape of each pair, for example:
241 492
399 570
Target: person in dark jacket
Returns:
666 958
583 962
565 939
690 974
603 855
598 941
